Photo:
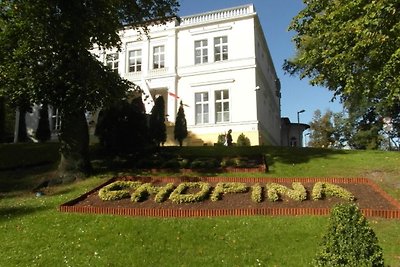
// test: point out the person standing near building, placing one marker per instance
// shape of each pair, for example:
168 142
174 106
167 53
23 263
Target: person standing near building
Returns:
229 138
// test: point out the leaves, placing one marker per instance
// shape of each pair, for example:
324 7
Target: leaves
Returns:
351 47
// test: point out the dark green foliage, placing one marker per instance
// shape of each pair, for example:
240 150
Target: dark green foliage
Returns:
122 126
352 48
180 130
243 140
22 133
349 240
43 132
204 163
221 139
44 57
157 128
7 121
2 119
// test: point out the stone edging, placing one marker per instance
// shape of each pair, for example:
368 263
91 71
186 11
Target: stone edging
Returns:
389 214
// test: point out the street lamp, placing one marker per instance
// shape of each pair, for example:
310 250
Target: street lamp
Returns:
298 115
298 125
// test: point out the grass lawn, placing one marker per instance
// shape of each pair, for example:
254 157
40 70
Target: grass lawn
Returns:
34 233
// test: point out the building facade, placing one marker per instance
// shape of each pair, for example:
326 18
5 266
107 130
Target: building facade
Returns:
217 63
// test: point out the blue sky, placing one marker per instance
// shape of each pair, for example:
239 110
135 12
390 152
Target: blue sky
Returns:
275 16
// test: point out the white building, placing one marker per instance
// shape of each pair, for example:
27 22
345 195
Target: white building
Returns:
217 63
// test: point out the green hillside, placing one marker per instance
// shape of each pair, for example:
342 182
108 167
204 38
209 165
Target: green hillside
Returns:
34 233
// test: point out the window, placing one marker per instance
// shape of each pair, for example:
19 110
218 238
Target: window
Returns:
222 106
135 60
201 103
200 51
158 57
220 48
112 61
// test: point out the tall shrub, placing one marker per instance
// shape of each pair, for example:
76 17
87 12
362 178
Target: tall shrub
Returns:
349 240
180 130
243 140
158 129
43 132
122 127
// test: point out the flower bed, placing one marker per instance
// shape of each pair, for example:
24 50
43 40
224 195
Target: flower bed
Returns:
216 196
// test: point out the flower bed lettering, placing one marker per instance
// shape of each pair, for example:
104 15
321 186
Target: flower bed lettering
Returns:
189 192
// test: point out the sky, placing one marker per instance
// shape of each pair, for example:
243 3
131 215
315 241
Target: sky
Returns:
275 17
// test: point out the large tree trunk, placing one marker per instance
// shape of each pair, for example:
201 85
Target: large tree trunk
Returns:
74 141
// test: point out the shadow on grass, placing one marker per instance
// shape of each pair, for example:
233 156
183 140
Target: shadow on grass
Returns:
7 213
292 155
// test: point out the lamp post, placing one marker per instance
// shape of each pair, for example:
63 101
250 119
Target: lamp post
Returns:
298 115
298 125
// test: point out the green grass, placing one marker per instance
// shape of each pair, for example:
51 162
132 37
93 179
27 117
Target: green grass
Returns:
34 233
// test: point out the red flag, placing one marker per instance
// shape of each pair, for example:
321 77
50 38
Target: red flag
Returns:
174 95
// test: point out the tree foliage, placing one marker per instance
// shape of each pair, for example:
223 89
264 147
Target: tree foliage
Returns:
322 130
44 57
2 119
157 127
180 130
352 48
360 130
122 127
349 240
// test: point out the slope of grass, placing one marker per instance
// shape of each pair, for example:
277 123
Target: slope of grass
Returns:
34 233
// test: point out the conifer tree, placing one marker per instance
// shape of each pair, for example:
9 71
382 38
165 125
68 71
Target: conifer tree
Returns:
43 132
349 240
180 130
158 129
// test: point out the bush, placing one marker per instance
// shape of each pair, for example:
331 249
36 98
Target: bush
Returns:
228 162
349 240
243 140
321 190
256 193
171 164
221 139
142 192
224 188
118 190
122 126
164 192
180 195
274 191
204 163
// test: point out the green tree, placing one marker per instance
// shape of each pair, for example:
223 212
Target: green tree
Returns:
322 130
352 48
180 130
157 127
43 132
44 55
349 240
243 140
122 126
365 129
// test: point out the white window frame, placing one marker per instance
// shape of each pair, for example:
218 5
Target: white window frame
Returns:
221 45
201 51
112 61
202 104
159 57
135 60
222 113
